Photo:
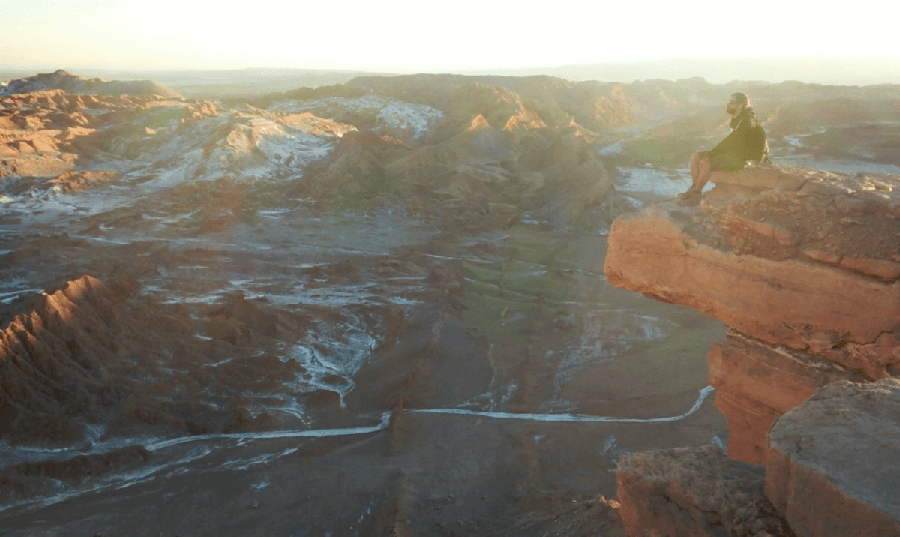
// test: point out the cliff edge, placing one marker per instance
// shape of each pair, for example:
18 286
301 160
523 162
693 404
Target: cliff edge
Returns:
804 274
803 266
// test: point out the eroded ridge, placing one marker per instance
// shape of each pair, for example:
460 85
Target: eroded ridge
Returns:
60 359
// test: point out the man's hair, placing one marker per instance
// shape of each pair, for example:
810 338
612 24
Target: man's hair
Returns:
741 98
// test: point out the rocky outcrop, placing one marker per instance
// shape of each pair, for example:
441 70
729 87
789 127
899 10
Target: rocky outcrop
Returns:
830 472
517 102
98 354
697 492
58 361
832 466
805 275
804 268
44 133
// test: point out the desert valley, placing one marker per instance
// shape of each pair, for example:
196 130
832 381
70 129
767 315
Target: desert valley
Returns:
385 307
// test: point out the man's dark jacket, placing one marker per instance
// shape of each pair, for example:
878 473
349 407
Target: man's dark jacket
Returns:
738 142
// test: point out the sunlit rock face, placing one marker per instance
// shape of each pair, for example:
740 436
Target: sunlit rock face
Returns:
757 382
805 275
832 466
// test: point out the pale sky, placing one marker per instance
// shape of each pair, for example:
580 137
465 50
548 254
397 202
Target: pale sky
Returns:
442 35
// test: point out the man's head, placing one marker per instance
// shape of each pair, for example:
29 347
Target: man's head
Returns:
738 102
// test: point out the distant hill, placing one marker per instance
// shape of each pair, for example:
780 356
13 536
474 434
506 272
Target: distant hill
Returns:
838 71
215 84
65 80
255 82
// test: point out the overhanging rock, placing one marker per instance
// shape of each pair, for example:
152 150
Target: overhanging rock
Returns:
806 275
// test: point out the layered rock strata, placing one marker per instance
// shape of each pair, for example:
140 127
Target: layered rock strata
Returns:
805 275
756 382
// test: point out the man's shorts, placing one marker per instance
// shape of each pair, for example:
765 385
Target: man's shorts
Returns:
725 162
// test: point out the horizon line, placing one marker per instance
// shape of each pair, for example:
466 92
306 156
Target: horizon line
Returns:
446 69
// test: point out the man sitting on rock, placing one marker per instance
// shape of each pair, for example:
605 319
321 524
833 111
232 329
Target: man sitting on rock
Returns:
732 153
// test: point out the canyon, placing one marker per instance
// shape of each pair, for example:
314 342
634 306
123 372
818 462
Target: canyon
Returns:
380 307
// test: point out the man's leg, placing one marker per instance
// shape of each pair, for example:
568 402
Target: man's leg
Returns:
695 164
704 168
700 170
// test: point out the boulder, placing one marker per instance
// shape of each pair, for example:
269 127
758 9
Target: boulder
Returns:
694 491
832 468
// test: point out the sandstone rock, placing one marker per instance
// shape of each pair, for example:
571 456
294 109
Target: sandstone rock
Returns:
44 144
825 256
759 176
478 123
807 284
33 165
872 359
696 492
77 181
616 109
23 147
308 123
832 468
792 303
524 119
765 229
756 382
884 269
